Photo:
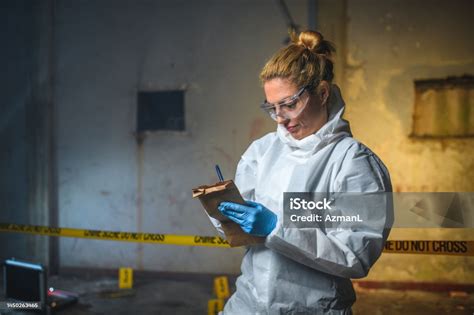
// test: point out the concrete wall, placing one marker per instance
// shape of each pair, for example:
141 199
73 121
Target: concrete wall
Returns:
26 126
13 130
107 50
386 46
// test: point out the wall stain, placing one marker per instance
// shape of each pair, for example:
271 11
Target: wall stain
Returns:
228 158
256 128
140 137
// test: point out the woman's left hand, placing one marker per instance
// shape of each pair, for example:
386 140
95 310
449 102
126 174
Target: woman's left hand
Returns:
253 217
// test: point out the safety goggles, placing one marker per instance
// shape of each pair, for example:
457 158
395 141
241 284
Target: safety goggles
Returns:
287 108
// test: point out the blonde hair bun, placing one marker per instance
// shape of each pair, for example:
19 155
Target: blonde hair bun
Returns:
314 42
309 39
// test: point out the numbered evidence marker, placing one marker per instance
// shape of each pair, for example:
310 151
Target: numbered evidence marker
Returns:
221 287
214 306
125 278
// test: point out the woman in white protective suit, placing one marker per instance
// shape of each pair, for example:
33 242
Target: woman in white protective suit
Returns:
303 271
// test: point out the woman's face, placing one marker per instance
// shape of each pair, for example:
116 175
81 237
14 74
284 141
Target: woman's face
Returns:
314 115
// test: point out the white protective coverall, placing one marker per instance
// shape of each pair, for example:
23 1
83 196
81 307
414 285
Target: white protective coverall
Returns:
307 271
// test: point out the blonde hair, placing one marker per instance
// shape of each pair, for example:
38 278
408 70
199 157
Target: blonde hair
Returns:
306 61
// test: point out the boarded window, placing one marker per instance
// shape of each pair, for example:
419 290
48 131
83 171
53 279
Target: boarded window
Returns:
161 110
444 107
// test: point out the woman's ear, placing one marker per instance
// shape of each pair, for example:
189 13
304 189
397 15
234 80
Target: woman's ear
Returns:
323 92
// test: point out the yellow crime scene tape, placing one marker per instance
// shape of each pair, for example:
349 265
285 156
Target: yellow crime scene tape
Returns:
430 247
152 238
441 247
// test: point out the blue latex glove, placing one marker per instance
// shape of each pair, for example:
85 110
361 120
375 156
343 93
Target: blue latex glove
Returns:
253 218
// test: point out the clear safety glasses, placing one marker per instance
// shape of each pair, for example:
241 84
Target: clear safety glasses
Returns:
287 108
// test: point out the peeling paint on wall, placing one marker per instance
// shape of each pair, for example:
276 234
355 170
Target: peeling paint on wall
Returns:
380 98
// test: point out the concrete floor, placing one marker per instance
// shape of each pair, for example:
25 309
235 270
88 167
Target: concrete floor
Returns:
382 301
188 294
152 294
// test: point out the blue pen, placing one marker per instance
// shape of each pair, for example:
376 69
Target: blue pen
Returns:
219 173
